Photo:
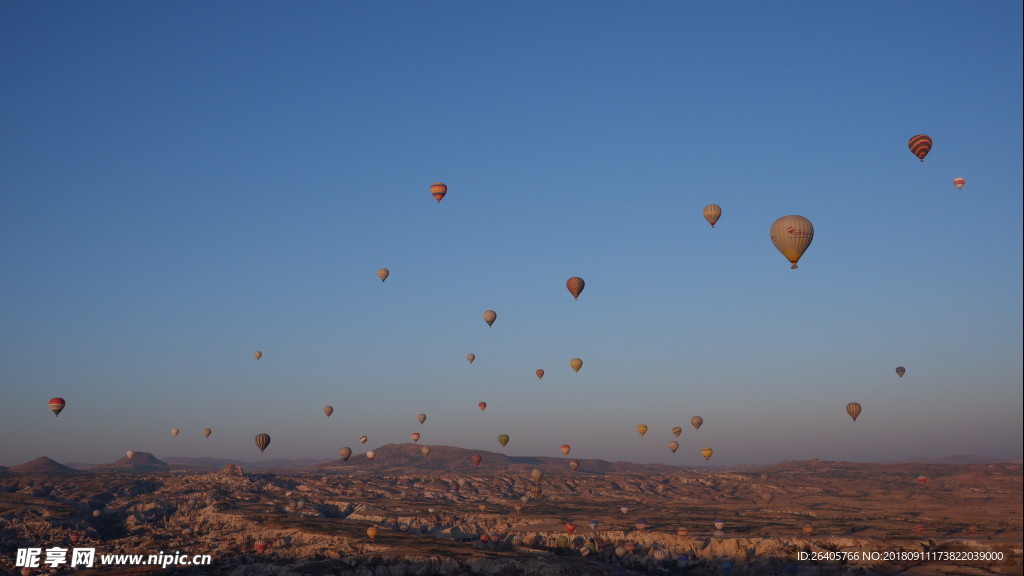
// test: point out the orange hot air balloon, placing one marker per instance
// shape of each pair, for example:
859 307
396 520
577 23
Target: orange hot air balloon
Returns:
383 274
565 449
540 374
471 357
575 286
808 530
570 527
853 409
415 436
371 532
959 183
257 354
262 441
641 429
792 235
920 145
482 405
328 410
56 405
576 364
207 432
490 316
712 212
438 190
345 452
174 431
706 453
900 371
696 422
477 459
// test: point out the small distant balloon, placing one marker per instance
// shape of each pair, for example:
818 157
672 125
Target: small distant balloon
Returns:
260 546
922 480
576 364
438 190
540 374
130 454
641 429
363 439
900 371
257 354
482 406
676 431
415 436
383 274
920 145
853 409
792 235
574 465
370 455
207 432
174 431
470 357
477 459
696 422
56 405
706 453
371 532
575 286
959 183
503 439
712 212
421 418
328 410
673 446
565 449
345 452
262 441
490 316
425 450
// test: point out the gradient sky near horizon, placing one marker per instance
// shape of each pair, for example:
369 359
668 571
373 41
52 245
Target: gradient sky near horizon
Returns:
183 184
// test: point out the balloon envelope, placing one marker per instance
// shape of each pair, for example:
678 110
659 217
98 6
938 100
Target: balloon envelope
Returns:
415 436
565 449
503 439
490 316
257 354
363 439
130 454
677 431
425 450
370 455
470 357
575 286
920 145
706 453
345 452
574 465
438 190
421 418
900 371
576 364
540 374
477 459
262 441
56 405
642 429
383 274
207 432
696 422
673 446
959 183
328 410
853 409
712 212
792 235
482 405
174 431
371 532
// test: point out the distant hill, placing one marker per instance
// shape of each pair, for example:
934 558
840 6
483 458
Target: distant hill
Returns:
405 458
42 465
957 459
216 464
141 462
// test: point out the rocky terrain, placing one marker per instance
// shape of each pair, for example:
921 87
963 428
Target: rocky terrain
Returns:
441 514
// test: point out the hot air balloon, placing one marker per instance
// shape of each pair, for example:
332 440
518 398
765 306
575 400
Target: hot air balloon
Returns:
535 491
807 530
502 439
477 459
257 354
719 524
536 474
565 449
575 286
792 235
620 551
673 446
262 441
425 450
207 432
174 431
260 546
712 212
470 357
576 364
920 145
959 183
438 190
490 316
922 480
328 410
594 524
900 371
682 532
853 409
130 454
363 439
421 418
624 509
482 406
56 405
696 422
75 537
677 431
574 465
371 532
345 452
383 274
370 455
570 527
540 374
706 453
641 524
641 429
415 436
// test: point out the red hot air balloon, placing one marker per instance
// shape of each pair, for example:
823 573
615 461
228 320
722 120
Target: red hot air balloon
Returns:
438 190
920 145
959 183
477 459
482 405
57 404
575 286
565 449
415 436
261 546
540 374
922 480
570 527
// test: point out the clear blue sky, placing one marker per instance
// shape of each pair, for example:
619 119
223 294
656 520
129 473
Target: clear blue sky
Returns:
184 183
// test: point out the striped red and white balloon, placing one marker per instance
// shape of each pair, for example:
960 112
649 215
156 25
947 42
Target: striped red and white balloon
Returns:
920 145
56 405
959 183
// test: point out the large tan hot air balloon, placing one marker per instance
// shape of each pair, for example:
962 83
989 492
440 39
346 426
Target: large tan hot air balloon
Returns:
262 441
490 316
575 286
696 422
959 183
383 273
641 428
257 354
438 190
576 364
536 474
345 452
706 453
712 212
920 145
792 235
853 409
